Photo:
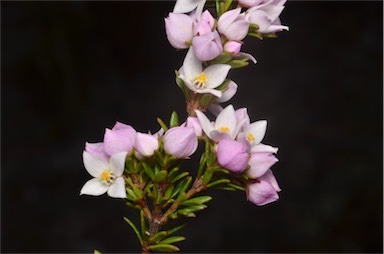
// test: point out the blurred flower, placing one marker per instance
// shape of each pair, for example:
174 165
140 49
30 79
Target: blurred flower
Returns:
146 144
232 155
179 30
264 190
200 81
266 16
180 141
107 175
207 46
233 25
184 6
260 163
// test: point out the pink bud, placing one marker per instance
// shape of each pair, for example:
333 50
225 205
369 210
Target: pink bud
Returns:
232 155
260 163
179 30
264 190
232 47
96 149
180 141
120 139
207 46
146 144
195 124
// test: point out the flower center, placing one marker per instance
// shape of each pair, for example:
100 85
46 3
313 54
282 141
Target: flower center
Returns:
200 81
107 177
250 137
224 129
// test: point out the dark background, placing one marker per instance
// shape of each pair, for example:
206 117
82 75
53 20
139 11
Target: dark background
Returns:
71 69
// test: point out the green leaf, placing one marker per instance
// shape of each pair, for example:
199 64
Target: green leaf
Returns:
206 178
142 223
237 64
196 201
96 252
137 192
134 229
179 176
184 88
270 35
158 236
174 121
162 124
186 185
172 172
192 209
235 186
148 170
163 247
131 195
173 239
203 161
177 189
255 34
221 59
175 229
169 191
218 182
160 176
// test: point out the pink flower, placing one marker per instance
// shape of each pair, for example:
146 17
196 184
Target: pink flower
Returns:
205 25
180 141
121 138
266 16
233 25
195 124
250 3
96 149
232 155
179 30
264 190
207 46
145 145
260 163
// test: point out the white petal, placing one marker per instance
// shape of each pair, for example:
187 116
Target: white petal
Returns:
199 9
249 56
216 74
94 165
229 93
227 119
215 109
183 6
94 187
215 92
191 66
117 163
257 129
117 189
264 148
204 122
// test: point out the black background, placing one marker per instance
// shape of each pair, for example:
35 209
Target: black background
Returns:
71 69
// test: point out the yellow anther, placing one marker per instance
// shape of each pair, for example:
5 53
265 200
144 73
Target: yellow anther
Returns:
200 81
250 137
106 176
224 129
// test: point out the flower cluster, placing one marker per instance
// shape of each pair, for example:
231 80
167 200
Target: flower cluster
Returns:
145 169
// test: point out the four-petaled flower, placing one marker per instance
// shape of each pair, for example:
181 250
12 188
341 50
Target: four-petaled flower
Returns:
108 175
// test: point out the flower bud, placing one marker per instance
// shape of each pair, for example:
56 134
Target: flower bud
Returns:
264 190
179 30
195 124
146 144
207 46
233 25
232 47
96 149
180 141
232 155
260 163
120 139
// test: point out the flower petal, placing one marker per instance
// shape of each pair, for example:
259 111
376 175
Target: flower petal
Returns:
205 123
117 163
191 66
94 187
117 189
261 148
94 165
270 178
227 119
262 193
257 129
183 6
227 19
215 92
96 149
216 74
229 92
260 163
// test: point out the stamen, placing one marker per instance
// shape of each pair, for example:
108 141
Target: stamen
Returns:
107 177
200 81
250 137
224 129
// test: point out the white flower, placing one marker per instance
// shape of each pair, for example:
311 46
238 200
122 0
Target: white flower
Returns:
184 6
226 125
107 175
203 81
